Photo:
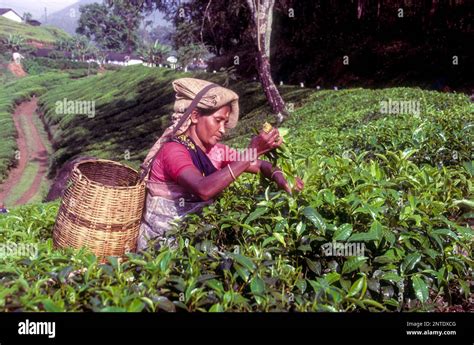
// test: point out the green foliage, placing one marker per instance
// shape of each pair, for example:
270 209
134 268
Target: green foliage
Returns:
47 34
258 249
14 42
42 65
154 53
186 54
132 108
113 27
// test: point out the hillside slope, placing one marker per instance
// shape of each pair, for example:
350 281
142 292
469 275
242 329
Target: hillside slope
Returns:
36 34
397 185
132 107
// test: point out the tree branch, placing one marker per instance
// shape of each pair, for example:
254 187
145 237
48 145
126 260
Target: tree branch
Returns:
204 18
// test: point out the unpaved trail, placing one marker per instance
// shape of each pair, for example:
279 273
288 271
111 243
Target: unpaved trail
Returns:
37 153
17 69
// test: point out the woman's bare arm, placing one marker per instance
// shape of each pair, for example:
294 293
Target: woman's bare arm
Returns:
209 186
262 167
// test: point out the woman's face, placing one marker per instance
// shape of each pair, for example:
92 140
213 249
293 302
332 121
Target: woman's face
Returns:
210 129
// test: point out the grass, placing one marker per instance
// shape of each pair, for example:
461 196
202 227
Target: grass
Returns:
24 184
45 183
43 33
42 133
28 134
42 192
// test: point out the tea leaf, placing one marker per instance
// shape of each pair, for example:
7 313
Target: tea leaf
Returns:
357 287
445 232
136 306
256 214
244 261
300 229
165 304
50 306
353 264
391 277
301 284
216 308
280 238
420 287
410 261
257 285
113 310
314 266
373 304
342 233
315 218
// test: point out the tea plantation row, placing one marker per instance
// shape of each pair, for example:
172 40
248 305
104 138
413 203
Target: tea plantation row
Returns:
399 186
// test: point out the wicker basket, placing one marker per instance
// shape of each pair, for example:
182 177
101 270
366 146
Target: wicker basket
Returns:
101 209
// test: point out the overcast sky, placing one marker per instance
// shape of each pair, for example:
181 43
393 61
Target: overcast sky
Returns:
36 7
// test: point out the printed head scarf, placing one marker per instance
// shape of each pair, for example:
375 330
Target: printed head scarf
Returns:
186 89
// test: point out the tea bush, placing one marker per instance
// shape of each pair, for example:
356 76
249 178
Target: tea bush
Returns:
38 65
398 186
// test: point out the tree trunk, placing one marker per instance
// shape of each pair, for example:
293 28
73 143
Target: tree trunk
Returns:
262 16
271 92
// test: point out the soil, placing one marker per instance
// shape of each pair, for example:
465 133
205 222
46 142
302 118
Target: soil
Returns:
17 69
37 153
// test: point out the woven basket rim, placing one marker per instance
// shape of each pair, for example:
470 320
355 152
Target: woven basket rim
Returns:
100 160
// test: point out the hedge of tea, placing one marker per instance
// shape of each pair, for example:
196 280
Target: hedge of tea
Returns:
399 186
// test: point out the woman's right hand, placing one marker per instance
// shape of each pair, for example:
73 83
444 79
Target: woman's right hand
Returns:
265 142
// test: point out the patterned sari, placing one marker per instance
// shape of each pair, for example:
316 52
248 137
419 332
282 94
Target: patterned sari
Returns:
168 202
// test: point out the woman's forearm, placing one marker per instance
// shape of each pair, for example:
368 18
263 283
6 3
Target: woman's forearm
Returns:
266 169
210 186
215 183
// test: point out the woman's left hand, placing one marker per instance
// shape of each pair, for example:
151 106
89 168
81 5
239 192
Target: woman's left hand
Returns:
282 183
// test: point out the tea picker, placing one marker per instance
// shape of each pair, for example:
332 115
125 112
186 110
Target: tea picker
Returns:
3 209
189 167
112 209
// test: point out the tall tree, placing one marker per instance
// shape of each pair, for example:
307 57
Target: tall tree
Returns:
131 13
113 26
81 48
261 26
191 52
154 53
98 22
184 34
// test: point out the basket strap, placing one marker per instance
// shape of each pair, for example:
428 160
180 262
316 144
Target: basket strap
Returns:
185 116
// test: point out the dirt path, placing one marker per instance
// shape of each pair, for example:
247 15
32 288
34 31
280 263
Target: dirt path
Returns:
36 153
16 69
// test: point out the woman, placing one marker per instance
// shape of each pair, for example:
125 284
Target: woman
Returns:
187 167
